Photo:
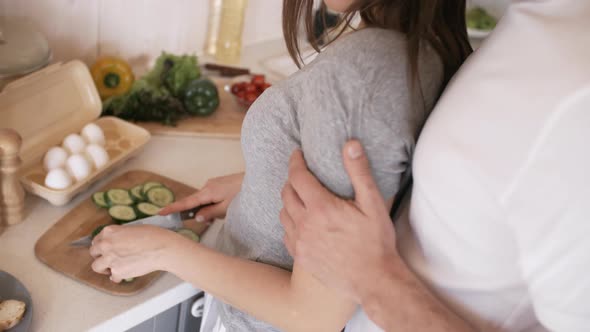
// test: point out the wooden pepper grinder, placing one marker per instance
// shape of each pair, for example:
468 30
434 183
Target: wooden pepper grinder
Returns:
12 195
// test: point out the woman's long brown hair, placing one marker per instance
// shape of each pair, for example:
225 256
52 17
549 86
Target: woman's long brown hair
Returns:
440 23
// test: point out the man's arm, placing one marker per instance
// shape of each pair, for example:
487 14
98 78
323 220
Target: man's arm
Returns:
399 301
358 257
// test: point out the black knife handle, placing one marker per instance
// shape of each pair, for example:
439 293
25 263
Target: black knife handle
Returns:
191 213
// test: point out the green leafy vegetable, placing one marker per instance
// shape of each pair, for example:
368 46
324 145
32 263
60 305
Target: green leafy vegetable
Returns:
145 102
159 95
174 72
479 18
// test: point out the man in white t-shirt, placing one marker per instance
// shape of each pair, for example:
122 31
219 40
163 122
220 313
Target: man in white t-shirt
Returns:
497 234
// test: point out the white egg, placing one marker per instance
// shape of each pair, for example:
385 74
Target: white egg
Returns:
54 158
73 143
78 167
58 178
93 134
97 155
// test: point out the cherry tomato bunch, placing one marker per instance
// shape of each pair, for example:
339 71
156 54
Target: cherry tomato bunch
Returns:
248 92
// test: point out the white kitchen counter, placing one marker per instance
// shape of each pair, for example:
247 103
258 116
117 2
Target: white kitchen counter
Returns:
63 304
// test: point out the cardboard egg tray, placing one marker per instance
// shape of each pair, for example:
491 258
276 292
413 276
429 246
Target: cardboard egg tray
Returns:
48 105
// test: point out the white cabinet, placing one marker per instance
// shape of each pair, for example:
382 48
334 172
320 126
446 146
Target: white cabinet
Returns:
175 319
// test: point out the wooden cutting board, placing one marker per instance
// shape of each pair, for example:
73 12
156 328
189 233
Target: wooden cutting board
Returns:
54 250
226 122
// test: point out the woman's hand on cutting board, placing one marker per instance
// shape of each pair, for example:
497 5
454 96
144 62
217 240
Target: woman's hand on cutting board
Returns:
132 251
217 191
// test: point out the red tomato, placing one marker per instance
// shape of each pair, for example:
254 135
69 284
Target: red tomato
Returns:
235 88
241 94
250 88
265 86
258 80
251 97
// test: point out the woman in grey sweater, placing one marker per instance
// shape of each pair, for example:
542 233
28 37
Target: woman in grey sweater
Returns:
377 84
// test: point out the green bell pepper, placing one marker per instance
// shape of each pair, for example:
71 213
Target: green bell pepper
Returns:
201 97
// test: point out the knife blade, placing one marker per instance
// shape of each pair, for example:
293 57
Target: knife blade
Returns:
173 221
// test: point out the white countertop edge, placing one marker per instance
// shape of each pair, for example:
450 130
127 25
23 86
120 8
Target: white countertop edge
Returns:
138 314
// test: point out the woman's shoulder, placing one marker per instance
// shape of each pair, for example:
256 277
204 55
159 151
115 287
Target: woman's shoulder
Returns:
371 38
368 47
377 55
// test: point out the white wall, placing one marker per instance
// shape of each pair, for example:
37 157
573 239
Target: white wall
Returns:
137 30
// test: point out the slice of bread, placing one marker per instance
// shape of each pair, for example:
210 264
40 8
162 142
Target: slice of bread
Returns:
11 312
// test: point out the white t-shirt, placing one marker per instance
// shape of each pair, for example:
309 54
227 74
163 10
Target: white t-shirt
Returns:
499 222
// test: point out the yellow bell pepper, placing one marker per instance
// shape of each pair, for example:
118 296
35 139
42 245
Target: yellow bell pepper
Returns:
112 76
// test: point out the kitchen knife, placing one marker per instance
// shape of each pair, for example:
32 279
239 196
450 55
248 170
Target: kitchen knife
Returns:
172 221
226 71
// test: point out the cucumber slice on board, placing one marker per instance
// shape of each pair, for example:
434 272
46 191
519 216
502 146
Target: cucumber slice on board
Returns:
136 193
160 196
98 229
189 234
118 197
99 199
122 213
145 209
149 185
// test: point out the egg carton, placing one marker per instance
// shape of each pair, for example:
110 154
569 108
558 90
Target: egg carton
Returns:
122 141
50 104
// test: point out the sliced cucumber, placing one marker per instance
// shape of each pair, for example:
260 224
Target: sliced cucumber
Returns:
97 230
189 234
160 196
118 197
149 185
99 199
136 193
147 209
122 213
129 279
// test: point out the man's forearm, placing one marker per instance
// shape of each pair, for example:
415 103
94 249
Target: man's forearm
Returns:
399 301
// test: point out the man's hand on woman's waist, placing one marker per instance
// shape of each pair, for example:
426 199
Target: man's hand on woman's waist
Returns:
317 223
350 246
